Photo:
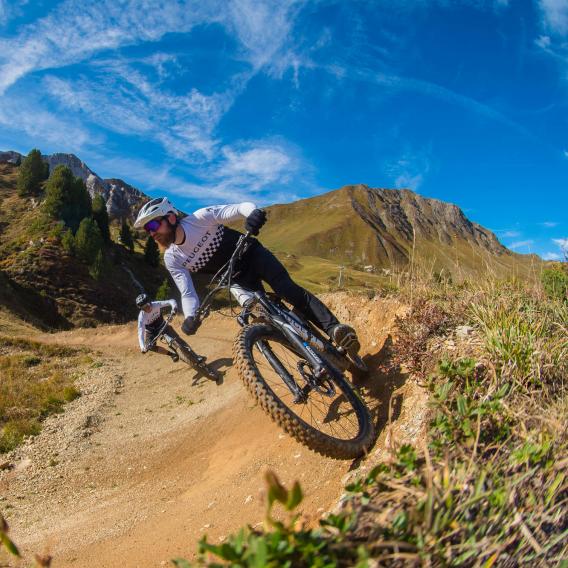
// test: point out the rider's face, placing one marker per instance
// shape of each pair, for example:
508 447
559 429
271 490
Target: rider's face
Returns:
147 308
164 235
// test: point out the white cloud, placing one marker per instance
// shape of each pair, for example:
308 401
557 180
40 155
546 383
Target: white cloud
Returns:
254 166
125 101
251 171
410 170
562 243
543 41
61 132
555 15
10 9
549 224
426 88
521 244
551 256
76 30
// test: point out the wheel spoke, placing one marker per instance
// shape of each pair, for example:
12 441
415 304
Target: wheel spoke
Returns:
333 415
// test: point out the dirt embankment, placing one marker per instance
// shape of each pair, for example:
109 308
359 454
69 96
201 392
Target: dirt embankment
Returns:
152 457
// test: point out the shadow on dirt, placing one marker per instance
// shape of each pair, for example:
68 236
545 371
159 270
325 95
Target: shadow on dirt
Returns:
379 386
220 366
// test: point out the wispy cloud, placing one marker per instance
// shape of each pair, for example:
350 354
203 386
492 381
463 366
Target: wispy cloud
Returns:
551 256
521 244
426 88
245 171
410 170
10 9
555 15
562 243
40 124
511 234
549 224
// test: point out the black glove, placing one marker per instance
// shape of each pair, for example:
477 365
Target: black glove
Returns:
190 325
255 221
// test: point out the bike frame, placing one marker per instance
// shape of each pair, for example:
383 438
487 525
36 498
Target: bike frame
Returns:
301 337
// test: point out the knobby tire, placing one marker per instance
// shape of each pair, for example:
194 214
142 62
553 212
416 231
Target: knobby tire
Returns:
286 413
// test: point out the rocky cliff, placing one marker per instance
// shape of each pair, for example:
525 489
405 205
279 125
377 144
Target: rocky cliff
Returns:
122 200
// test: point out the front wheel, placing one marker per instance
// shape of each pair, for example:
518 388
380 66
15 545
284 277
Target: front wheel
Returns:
189 356
328 417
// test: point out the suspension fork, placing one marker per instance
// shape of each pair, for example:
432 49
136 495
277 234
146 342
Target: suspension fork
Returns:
264 348
301 346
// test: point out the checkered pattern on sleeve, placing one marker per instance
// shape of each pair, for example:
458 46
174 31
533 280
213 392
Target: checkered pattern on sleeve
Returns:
208 251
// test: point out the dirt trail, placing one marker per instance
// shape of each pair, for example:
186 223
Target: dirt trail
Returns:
152 457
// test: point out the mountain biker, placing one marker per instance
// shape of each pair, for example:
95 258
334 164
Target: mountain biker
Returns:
200 242
150 322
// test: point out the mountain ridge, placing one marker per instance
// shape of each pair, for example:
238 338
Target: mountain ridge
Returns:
122 199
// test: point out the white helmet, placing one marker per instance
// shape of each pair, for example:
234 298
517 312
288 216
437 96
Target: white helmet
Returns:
159 207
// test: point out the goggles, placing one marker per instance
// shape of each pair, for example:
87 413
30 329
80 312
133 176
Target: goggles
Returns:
153 225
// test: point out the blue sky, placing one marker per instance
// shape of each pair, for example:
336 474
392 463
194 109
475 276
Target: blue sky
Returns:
218 101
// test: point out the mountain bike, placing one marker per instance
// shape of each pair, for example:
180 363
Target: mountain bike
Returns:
184 351
294 372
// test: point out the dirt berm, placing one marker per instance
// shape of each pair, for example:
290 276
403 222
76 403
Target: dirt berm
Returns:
152 457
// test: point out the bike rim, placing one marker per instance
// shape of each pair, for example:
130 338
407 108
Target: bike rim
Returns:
335 416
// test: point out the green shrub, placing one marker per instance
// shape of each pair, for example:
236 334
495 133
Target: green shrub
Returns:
555 283
68 242
97 269
164 291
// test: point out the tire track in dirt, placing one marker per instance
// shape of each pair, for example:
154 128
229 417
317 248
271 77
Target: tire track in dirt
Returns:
171 456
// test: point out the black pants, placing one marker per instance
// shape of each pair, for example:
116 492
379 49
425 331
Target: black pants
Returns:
151 332
259 264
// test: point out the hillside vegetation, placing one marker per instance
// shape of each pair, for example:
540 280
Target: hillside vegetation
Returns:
57 269
488 487
390 231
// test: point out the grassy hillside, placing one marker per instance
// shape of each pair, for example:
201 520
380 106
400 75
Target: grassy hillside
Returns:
351 227
44 285
487 486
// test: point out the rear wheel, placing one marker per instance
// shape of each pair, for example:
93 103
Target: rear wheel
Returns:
328 416
189 356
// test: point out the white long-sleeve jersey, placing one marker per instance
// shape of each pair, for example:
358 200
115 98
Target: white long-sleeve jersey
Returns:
152 319
207 246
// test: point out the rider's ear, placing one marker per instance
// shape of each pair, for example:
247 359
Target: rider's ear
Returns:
172 218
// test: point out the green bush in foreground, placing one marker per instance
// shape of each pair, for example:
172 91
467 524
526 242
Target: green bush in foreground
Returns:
555 283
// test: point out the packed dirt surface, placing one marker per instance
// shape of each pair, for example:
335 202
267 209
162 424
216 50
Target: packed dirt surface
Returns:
153 456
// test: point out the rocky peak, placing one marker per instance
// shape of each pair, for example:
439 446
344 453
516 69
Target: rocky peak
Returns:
122 200
407 215
10 157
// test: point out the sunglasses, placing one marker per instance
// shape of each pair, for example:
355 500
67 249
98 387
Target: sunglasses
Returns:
153 225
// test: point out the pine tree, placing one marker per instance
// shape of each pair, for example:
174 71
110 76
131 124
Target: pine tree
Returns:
126 236
100 215
98 267
33 170
67 198
88 241
151 252
68 242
